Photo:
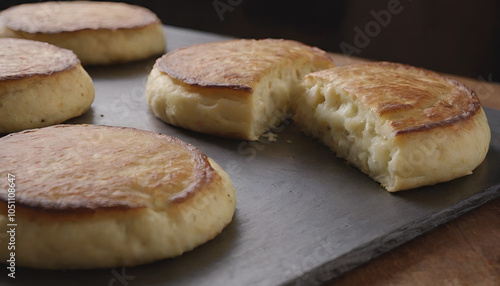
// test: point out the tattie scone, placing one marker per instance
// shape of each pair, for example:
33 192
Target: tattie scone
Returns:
237 89
91 196
404 126
40 85
99 33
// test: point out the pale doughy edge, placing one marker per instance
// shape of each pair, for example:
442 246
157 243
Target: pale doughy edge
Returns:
215 111
39 101
440 154
108 239
227 112
103 47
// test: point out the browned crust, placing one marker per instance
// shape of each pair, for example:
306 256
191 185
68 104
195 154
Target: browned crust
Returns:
235 64
413 99
471 109
21 58
91 197
191 81
58 17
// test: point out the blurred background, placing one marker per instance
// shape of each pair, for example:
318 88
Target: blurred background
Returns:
452 36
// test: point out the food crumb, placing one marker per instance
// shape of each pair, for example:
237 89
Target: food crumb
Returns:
271 137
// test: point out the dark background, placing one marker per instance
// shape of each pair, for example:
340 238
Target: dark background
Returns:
459 37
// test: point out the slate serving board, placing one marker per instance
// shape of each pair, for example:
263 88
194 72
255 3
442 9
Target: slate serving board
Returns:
303 216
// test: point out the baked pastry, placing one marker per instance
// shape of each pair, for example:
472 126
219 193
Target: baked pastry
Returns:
98 32
404 126
40 85
237 88
91 196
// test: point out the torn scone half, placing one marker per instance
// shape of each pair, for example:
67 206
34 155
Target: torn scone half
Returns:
404 126
236 89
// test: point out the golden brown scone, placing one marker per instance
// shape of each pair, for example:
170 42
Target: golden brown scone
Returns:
238 88
98 196
404 126
98 32
40 85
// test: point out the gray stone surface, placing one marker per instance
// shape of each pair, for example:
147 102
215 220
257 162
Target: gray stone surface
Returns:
303 216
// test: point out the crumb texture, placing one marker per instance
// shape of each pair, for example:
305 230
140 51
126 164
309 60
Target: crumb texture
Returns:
405 127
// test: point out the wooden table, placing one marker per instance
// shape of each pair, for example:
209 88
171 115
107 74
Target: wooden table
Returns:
464 251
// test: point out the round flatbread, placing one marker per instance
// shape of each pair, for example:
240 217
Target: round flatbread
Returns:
237 89
40 85
96 196
98 32
404 126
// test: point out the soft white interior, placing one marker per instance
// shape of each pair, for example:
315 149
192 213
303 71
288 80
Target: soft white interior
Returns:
226 112
367 140
353 132
274 96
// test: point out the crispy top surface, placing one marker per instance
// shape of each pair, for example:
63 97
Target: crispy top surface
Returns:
236 64
87 167
413 99
57 17
24 58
